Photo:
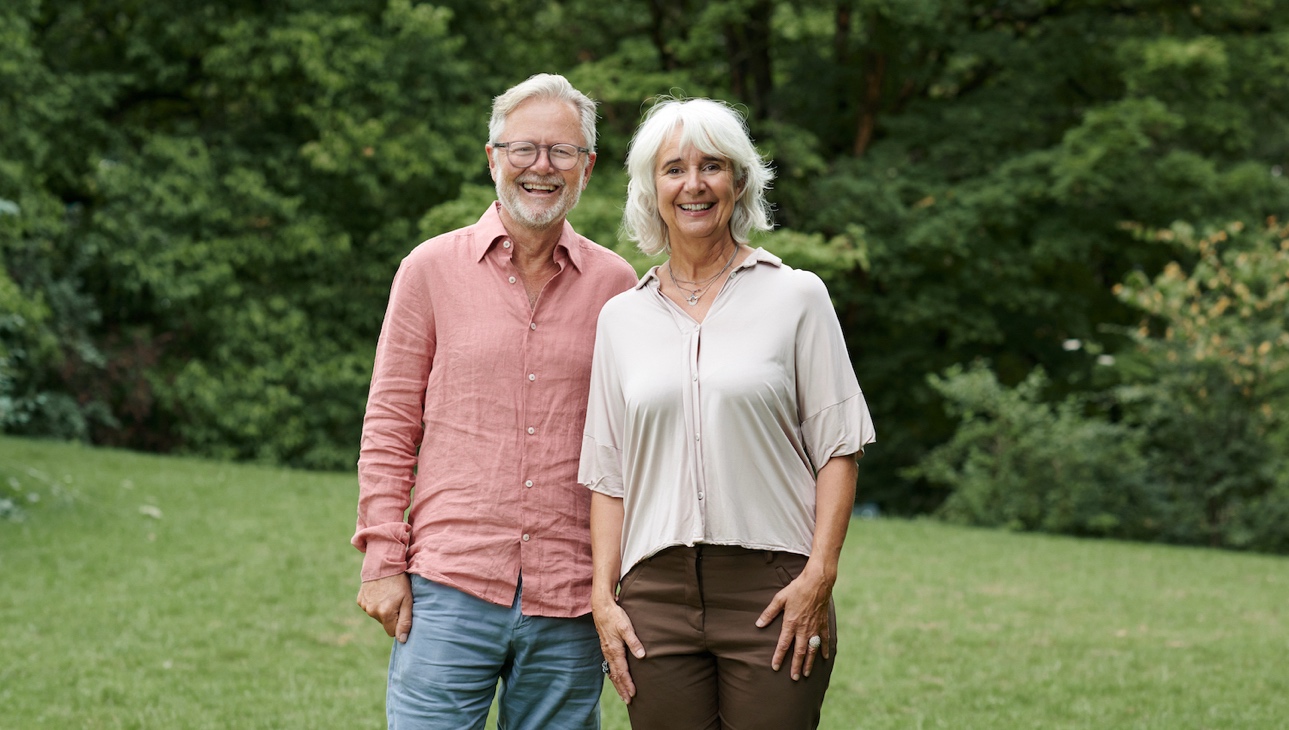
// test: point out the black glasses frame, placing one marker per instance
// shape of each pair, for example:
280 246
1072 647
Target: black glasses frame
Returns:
537 153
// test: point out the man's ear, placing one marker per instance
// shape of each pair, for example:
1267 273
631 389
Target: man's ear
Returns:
586 174
492 162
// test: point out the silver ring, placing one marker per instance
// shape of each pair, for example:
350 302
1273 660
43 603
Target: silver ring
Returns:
604 666
815 642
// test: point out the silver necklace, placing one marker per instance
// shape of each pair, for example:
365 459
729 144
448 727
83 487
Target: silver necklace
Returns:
697 293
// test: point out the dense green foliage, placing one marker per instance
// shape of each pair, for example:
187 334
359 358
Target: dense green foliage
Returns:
1206 384
201 209
1020 463
1186 442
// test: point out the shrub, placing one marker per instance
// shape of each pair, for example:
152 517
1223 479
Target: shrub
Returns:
1197 450
1020 463
1207 383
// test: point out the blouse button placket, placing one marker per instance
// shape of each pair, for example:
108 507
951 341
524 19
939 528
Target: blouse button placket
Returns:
695 340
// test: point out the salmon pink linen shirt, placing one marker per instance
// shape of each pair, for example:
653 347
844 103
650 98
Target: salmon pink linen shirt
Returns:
475 418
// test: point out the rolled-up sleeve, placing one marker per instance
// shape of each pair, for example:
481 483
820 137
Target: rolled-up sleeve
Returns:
600 468
834 415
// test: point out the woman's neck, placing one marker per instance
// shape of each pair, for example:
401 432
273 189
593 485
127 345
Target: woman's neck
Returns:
701 260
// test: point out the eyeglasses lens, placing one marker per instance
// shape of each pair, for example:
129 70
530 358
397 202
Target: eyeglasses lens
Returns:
562 156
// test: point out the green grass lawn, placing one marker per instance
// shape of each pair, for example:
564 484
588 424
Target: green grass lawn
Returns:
151 592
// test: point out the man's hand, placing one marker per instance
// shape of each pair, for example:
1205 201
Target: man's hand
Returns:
389 601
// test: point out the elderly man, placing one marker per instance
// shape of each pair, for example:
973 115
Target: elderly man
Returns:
474 420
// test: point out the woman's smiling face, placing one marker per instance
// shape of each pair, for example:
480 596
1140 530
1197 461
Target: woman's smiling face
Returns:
696 192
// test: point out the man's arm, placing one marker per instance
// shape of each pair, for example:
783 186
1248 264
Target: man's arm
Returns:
392 432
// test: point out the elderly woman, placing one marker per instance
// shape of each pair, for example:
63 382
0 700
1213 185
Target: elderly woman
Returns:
723 428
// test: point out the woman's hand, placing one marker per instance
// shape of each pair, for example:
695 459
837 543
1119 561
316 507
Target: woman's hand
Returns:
805 601
616 638
612 623
804 605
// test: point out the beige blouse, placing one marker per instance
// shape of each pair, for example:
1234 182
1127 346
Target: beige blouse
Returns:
712 432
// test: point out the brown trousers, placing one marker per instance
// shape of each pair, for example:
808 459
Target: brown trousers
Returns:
707 665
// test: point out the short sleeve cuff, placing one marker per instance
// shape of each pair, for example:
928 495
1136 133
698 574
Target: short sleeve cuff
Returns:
844 428
600 469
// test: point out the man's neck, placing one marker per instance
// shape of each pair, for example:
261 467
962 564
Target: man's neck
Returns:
534 247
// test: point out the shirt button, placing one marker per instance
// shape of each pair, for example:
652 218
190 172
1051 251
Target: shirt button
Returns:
532 325
512 280
525 537
528 483
505 244
698 437
700 495
532 376
695 377
531 430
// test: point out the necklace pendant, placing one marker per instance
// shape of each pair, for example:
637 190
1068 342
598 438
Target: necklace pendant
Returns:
692 299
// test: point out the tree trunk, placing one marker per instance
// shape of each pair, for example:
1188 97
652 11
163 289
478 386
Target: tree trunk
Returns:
748 46
874 76
658 33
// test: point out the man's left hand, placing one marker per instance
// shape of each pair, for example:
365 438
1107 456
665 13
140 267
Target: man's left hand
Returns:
389 601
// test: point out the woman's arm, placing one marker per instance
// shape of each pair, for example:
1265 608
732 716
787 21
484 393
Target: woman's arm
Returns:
804 602
611 622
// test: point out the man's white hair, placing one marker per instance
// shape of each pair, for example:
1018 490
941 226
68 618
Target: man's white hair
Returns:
543 86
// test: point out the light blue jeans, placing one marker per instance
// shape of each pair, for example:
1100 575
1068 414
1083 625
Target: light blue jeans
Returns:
445 676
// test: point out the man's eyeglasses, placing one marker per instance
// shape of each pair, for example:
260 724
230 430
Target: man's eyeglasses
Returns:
524 154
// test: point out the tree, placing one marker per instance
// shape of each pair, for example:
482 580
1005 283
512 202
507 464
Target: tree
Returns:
1186 442
1206 383
1008 142
227 191
46 317
250 176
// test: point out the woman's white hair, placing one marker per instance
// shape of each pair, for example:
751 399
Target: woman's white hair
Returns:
543 86
713 128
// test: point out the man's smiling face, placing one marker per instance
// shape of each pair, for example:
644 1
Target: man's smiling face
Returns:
539 196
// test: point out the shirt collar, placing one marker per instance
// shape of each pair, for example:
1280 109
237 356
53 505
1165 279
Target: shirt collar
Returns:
758 256
490 229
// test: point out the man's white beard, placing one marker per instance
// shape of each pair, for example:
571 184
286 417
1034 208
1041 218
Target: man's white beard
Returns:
511 197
